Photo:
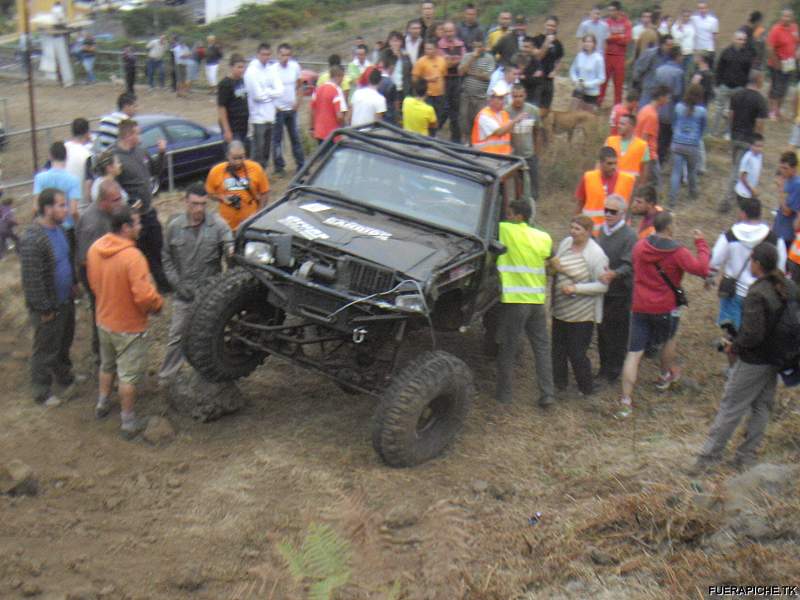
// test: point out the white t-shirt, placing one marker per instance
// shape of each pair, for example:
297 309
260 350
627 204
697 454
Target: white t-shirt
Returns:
637 31
487 125
288 76
77 155
683 33
367 102
751 164
704 30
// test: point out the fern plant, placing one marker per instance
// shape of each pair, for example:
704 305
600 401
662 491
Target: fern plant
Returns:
323 560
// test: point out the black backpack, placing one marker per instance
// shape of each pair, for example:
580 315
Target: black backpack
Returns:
786 336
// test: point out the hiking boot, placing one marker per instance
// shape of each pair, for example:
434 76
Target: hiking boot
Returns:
130 430
667 380
547 401
742 463
702 465
102 409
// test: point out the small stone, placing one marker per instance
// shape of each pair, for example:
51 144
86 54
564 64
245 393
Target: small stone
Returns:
174 482
106 590
30 589
159 431
112 502
190 580
17 479
400 517
479 486
602 558
15 583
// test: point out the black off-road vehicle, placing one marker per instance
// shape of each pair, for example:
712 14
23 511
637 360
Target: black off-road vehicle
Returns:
382 233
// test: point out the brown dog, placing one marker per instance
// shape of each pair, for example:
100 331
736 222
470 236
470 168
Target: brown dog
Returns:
569 121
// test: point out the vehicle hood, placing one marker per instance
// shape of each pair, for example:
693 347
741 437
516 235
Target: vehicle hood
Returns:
404 246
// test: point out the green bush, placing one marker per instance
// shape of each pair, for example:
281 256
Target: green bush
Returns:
151 20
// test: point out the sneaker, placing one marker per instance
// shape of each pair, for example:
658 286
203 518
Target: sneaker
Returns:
52 401
102 409
133 428
547 401
626 409
667 380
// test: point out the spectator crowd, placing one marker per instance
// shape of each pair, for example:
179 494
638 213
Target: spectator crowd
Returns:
619 272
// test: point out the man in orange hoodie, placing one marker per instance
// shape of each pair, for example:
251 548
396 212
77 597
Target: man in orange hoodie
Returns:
125 295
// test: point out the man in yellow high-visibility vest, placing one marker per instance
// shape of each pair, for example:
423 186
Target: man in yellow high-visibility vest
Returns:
523 281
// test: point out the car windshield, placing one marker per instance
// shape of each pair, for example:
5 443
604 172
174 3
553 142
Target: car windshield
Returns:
419 192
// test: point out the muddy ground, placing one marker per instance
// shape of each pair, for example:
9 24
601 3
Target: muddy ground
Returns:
203 516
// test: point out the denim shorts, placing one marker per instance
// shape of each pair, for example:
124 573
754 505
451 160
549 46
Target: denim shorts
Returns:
730 310
651 330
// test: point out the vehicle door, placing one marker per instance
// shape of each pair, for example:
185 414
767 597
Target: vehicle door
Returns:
510 188
192 147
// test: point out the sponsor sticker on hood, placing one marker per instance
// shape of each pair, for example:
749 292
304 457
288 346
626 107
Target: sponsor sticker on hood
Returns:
379 234
315 207
303 228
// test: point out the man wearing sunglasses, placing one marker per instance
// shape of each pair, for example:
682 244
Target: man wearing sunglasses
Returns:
617 240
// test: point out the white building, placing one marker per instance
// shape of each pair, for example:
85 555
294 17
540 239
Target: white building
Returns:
216 9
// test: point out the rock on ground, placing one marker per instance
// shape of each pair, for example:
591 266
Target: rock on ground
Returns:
194 396
159 431
17 479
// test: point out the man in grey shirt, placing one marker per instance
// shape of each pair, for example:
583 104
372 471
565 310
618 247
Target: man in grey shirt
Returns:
525 137
94 223
138 167
595 26
195 244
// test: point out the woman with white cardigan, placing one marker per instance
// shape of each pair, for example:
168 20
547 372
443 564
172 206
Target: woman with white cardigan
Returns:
588 73
577 303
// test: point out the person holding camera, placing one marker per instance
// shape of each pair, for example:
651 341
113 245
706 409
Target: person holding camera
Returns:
239 185
758 348
659 263
195 244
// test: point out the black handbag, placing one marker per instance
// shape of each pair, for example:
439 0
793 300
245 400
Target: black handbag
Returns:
680 295
727 285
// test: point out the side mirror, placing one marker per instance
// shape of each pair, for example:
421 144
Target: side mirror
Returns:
496 248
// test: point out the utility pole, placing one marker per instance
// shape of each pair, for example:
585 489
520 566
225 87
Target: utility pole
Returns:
29 63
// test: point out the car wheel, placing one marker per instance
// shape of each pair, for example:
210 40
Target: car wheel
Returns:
216 344
423 409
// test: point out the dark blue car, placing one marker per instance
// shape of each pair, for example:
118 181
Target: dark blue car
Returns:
194 148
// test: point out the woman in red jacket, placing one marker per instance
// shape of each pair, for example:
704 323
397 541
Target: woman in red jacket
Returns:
659 263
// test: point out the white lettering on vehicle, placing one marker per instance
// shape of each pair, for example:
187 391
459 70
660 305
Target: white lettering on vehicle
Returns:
302 228
315 207
358 228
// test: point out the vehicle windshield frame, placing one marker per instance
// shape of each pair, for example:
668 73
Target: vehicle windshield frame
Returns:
480 180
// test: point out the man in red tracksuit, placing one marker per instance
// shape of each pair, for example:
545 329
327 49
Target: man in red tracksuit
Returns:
617 43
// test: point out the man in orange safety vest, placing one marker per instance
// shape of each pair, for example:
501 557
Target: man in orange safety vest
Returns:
491 131
633 153
596 185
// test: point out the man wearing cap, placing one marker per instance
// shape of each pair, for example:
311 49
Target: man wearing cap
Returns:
491 131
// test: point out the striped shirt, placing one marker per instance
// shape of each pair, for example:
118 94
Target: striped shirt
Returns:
579 308
471 85
108 131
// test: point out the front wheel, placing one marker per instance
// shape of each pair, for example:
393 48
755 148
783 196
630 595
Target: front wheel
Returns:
218 343
423 409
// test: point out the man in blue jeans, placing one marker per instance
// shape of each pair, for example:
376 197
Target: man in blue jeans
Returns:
288 71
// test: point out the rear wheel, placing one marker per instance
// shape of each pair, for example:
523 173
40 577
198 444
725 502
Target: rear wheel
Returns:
215 342
423 409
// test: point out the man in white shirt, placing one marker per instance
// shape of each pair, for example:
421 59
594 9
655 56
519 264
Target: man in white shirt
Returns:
706 29
288 71
263 88
683 34
78 153
368 103
156 49
413 43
